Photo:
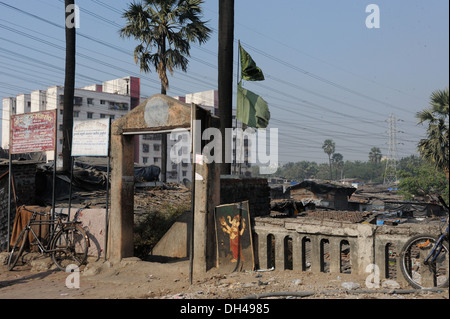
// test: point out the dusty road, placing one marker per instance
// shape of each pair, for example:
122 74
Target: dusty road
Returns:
135 279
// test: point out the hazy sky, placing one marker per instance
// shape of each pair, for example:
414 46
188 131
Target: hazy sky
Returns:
327 74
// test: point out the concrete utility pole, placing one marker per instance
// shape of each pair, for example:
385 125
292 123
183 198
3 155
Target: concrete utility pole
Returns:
225 85
69 88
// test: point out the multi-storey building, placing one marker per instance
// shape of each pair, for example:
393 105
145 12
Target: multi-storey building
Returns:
112 99
241 155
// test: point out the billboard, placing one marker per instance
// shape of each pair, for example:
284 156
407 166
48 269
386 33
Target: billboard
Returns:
33 132
90 137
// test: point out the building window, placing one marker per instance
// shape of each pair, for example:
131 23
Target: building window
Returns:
184 173
77 101
90 115
155 160
90 101
60 127
156 147
145 148
61 112
145 160
102 101
112 117
29 104
76 113
102 116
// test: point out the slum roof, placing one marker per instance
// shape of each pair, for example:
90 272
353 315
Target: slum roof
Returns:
323 187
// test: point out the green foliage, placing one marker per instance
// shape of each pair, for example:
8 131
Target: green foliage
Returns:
369 172
165 30
420 178
435 147
152 228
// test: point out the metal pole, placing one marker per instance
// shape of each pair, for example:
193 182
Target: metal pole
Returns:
53 194
193 153
235 116
70 187
9 198
107 205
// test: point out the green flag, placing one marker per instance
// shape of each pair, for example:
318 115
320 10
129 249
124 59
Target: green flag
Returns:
252 110
249 70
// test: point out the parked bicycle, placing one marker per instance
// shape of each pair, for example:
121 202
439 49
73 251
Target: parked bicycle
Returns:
69 244
425 259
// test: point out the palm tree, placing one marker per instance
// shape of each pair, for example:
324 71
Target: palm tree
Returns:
435 148
375 155
329 147
165 30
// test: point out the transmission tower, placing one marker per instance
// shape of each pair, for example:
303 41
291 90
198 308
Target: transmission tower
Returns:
390 173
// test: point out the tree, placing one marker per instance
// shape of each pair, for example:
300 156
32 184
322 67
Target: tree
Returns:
165 30
69 88
375 155
329 147
420 178
435 148
338 162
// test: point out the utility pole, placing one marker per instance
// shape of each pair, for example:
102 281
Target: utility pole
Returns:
69 87
390 173
225 85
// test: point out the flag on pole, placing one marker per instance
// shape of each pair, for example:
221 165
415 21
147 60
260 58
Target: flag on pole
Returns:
249 70
252 110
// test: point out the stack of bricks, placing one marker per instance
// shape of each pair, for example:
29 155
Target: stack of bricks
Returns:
254 190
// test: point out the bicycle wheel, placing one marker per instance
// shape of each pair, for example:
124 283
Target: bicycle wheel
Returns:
419 275
69 247
17 249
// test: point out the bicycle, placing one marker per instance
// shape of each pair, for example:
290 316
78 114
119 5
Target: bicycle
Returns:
425 259
69 244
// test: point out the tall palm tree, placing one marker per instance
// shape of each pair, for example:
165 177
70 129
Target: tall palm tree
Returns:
329 147
375 155
435 148
165 30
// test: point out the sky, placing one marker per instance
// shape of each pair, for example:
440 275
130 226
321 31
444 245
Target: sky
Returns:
327 75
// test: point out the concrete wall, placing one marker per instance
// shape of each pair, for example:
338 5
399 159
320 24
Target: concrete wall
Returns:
367 243
93 221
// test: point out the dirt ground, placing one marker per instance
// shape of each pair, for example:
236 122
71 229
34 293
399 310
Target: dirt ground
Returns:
135 279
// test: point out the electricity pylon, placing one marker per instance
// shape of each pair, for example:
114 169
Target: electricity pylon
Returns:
390 173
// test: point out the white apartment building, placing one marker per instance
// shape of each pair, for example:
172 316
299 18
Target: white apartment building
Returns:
177 172
112 99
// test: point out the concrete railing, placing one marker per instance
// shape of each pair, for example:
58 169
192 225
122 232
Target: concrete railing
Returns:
328 246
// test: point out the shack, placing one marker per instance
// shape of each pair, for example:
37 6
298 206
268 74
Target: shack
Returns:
325 195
